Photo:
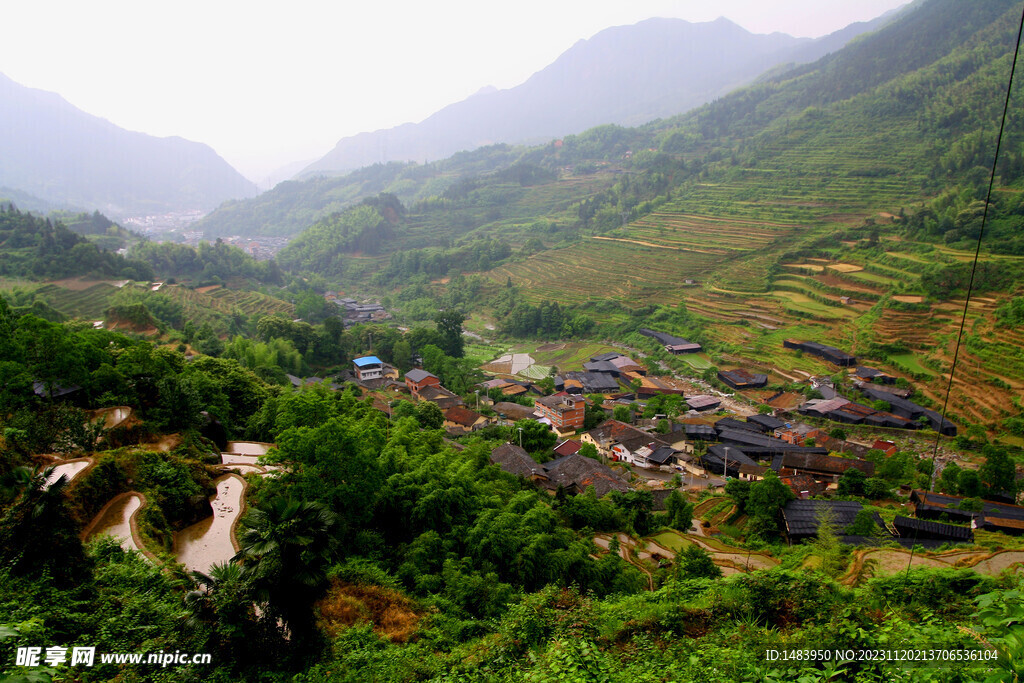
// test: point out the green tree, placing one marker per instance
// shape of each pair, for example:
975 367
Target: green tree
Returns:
949 480
680 512
852 483
622 413
739 491
876 488
536 437
402 355
693 562
594 414
863 524
285 549
429 415
764 504
449 325
997 473
969 484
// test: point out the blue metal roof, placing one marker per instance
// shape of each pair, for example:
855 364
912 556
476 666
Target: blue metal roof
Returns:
367 360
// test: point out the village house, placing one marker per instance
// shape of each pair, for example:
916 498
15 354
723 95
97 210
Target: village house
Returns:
514 460
368 367
873 375
567 447
887 447
829 353
742 379
611 433
924 531
725 460
463 420
672 344
652 386
821 467
575 473
701 403
564 411
437 394
574 382
418 379
513 412
765 423
803 517
803 486
994 516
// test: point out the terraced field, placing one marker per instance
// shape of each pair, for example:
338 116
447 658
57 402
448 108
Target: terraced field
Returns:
605 269
88 304
202 306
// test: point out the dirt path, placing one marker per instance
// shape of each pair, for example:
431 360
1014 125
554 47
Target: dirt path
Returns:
891 561
643 552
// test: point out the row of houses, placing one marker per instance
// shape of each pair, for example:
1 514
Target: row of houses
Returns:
672 344
993 516
829 353
803 518
573 473
902 413
352 311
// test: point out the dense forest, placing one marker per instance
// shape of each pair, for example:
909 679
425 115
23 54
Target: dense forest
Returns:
381 552
40 248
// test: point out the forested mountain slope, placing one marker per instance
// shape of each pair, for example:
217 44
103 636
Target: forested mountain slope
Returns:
63 155
626 75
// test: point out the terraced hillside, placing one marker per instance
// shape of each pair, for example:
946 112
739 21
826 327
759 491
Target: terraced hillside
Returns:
90 299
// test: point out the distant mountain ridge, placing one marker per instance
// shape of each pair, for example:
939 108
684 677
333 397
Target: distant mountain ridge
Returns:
627 75
55 151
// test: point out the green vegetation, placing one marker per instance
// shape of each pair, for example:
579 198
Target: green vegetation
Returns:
381 550
38 248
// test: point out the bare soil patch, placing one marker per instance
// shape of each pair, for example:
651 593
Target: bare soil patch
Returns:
845 268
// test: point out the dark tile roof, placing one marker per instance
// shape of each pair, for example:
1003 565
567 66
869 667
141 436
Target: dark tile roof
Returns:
515 460
605 356
703 402
908 527
742 378
662 455
514 410
613 430
720 461
733 423
601 366
593 382
927 500
705 432
826 463
766 422
663 337
418 375
462 416
582 472
802 516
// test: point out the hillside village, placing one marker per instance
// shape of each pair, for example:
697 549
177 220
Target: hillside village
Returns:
623 404
701 445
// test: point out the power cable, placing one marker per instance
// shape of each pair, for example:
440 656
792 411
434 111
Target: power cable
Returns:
977 251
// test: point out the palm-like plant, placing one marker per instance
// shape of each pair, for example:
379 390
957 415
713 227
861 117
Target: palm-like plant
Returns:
286 548
36 531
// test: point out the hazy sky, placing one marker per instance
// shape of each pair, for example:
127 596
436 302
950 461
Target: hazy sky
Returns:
269 83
